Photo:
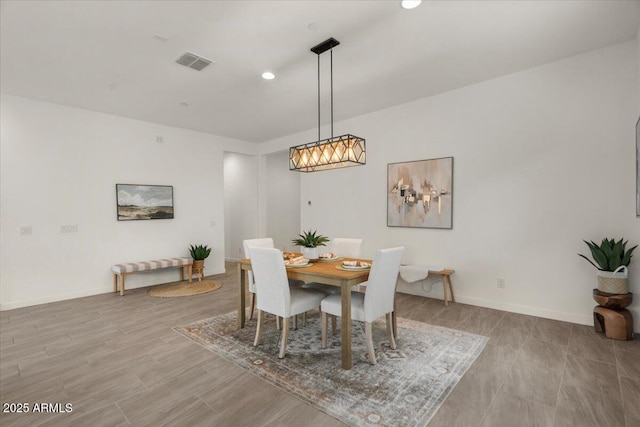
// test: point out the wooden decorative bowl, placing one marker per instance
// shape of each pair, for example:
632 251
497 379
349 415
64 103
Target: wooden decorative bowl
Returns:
613 301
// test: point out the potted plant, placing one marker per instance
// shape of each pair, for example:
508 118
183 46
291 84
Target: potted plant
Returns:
310 242
612 259
199 253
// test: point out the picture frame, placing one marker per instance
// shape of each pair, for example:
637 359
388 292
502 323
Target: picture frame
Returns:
420 193
142 202
638 168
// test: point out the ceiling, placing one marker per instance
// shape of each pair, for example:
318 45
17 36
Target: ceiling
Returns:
118 57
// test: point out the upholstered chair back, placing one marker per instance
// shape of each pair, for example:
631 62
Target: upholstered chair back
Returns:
271 283
381 286
345 247
266 242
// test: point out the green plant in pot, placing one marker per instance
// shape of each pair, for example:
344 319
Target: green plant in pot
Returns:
612 260
199 253
310 241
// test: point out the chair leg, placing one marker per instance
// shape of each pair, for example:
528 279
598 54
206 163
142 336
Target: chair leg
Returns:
369 337
278 323
392 341
333 324
394 321
304 319
256 341
253 305
295 322
285 337
324 329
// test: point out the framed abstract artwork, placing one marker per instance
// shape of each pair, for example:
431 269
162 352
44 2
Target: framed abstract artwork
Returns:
420 193
135 202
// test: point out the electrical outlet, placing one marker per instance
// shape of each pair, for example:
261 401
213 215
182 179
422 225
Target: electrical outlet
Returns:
25 230
73 228
501 282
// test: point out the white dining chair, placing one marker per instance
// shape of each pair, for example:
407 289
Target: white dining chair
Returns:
346 247
275 296
376 302
342 247
266 242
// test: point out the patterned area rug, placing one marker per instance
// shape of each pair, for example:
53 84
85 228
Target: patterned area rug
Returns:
184 289
405 388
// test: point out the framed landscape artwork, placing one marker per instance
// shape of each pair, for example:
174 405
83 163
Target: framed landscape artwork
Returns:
137 202
420 193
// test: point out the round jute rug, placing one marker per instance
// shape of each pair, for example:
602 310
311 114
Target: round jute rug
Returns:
184 289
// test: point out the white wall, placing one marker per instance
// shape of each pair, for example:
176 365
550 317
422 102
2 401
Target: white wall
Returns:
240 202
542 159
59 166
282 200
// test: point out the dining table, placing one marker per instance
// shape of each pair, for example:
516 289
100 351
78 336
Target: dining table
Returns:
327 272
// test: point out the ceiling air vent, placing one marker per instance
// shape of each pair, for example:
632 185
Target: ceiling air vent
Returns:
193 61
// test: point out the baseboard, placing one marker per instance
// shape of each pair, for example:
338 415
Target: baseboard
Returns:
80 294
53 298
515 308
580 319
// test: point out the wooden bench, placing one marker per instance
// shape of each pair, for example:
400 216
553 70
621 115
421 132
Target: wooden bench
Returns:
418 272
121 270
445 273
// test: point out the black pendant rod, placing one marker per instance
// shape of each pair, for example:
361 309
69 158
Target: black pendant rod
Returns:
326 45
332 93
318 98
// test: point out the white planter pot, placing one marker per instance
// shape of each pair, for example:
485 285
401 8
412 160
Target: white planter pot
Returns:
310 253
614 282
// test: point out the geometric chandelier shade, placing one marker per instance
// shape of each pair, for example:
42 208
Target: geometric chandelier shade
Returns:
332 153
337 152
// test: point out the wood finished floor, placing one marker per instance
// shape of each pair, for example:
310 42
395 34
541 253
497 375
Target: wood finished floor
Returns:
118 362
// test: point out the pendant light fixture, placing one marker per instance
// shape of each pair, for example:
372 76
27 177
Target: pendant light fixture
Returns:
335 152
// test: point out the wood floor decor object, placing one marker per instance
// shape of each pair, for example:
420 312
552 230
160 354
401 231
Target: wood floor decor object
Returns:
405 388
184 289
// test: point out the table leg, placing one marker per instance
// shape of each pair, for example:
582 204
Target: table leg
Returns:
191 272
115 283
241 302
346 327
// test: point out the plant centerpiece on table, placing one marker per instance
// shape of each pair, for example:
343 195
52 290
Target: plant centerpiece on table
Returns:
199 253
309 241
612 259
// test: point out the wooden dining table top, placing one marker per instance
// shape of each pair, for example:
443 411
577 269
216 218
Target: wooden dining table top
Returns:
324 271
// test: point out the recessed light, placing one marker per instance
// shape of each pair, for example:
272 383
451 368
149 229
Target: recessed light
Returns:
268 75
410 4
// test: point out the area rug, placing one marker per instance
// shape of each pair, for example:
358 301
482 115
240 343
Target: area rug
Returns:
184 289
405 388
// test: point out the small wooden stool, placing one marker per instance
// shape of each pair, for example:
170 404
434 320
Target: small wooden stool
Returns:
616 324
